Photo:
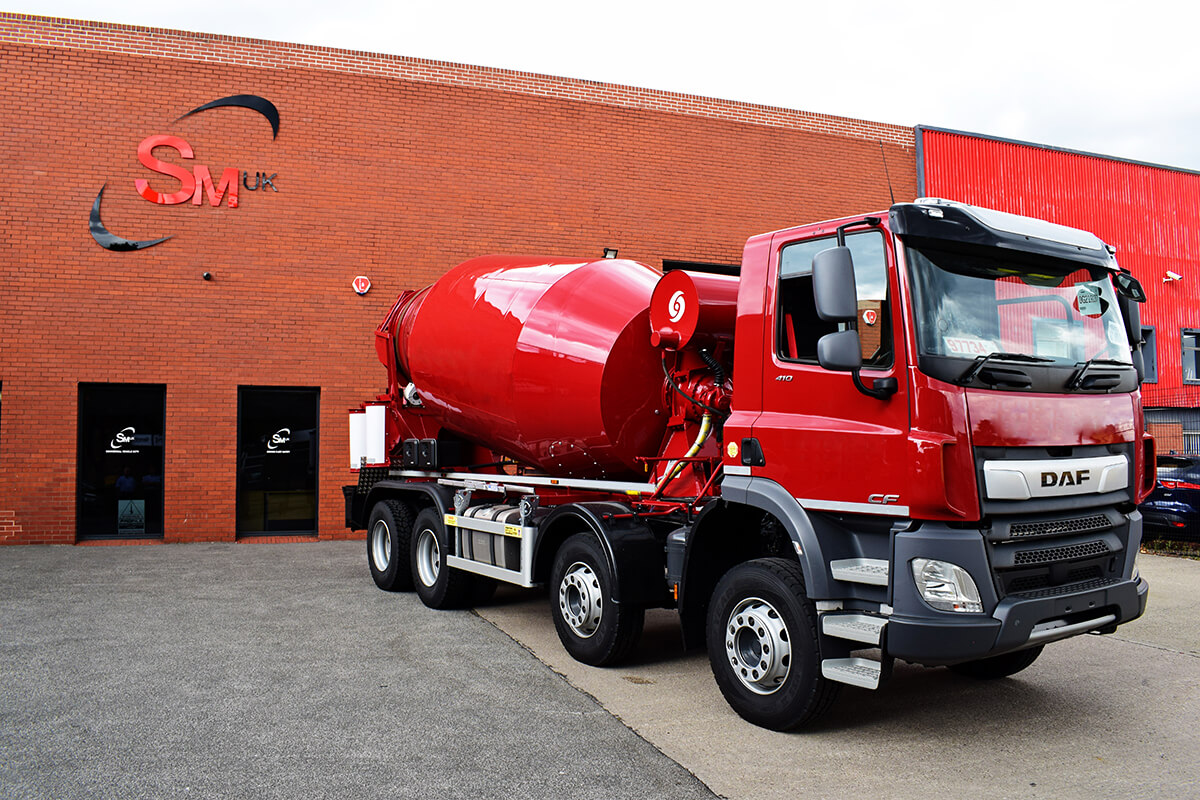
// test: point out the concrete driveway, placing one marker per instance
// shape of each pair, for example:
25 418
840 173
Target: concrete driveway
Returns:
1095 717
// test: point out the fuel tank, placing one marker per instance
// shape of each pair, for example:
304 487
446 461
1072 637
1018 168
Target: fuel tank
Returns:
545 360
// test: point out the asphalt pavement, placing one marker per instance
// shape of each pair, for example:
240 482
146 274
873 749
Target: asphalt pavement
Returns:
263 671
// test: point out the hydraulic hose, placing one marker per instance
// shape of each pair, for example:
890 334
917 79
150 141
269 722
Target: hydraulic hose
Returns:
714 365
706 428
707 408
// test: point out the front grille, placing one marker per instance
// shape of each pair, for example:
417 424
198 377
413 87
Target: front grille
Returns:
1057 527
1085 574
1028 583
1050 555
1055 591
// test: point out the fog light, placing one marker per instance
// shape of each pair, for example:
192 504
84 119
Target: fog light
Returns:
946 586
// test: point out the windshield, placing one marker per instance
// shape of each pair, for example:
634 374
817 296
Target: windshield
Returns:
978 303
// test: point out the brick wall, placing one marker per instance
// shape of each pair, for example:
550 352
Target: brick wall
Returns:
391 167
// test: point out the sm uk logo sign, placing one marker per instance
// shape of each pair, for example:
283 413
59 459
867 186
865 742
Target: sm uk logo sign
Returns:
196 183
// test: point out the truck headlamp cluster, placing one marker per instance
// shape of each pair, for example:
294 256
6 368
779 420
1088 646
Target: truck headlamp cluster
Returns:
946 586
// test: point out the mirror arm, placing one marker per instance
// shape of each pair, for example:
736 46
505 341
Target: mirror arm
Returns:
881 388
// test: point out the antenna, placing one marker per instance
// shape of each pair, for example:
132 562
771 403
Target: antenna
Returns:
887 172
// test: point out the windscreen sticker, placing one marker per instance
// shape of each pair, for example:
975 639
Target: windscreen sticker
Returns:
965 346
1088 301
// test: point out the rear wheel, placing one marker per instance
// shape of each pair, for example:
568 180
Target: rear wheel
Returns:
998 666
592 628
763 647
437 584
388 532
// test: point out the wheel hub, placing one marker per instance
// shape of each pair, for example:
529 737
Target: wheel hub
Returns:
429 557
580 599
758 646
381 545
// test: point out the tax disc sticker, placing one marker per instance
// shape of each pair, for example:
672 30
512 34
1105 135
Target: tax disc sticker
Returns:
1087 299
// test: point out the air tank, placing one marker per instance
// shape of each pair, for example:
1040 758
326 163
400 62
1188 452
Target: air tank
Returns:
545 360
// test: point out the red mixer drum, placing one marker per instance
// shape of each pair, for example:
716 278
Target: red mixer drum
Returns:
546 360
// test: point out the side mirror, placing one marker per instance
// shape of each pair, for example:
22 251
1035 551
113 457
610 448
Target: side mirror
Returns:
1128 286
834 291
840 351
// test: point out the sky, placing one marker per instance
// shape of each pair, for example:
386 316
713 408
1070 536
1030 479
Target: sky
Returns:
1119 79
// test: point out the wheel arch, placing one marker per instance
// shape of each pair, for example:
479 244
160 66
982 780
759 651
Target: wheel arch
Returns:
420 495
633 553
754 519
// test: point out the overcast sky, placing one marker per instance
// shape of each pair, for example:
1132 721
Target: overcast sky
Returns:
1120 79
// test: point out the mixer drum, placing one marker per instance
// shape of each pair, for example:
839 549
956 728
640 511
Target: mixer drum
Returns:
545 360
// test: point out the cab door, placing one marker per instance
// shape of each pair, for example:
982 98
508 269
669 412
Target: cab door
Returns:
831 446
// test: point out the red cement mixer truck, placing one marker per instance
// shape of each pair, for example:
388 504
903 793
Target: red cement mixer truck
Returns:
909 435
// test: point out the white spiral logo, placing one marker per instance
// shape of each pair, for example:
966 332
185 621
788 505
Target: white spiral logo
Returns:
678 306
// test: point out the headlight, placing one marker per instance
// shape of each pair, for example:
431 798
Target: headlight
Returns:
946 586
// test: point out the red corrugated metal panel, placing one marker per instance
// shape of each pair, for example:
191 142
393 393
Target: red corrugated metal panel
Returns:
1150 214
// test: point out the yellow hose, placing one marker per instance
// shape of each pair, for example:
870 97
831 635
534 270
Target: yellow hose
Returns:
701 437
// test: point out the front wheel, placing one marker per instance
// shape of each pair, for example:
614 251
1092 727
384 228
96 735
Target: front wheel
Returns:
988 669
591 627
438 584
763 647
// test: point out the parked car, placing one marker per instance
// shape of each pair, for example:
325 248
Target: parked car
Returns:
1172 511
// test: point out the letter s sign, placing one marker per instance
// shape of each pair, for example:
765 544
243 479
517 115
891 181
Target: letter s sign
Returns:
146 156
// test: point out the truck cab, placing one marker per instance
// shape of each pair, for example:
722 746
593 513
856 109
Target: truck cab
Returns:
956 452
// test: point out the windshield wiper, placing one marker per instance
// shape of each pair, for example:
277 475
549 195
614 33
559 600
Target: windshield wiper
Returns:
1109 381
982 361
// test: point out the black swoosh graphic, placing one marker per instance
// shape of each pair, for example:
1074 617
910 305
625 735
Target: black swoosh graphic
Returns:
251 101
111 241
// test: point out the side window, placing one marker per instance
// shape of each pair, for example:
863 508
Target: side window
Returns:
1190 348
799 327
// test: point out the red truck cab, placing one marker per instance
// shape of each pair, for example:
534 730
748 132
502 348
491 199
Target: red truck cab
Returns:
982 484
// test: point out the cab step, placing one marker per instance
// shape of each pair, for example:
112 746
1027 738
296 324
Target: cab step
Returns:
855 627
873 571
861 672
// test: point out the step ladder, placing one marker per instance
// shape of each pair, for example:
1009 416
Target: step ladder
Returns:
873 571
857 627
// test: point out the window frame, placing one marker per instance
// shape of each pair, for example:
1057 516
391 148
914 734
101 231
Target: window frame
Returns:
1184 349
887 334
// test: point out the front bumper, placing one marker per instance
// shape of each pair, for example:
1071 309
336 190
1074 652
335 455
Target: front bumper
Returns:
1017 622
1013 620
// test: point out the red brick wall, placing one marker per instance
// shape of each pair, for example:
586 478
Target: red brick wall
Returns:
390 167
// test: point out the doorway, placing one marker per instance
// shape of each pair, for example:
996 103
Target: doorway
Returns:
119 474
277 460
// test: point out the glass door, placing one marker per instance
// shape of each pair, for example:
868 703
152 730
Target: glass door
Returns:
119 475
277 460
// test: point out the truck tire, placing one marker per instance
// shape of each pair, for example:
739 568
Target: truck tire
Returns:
592 628
763 645
438 584
988 669
388 533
